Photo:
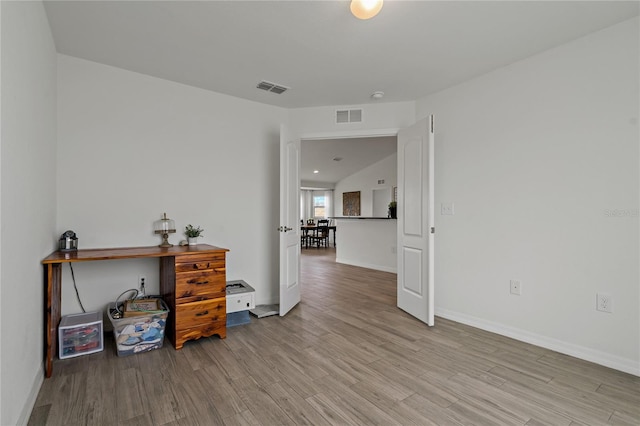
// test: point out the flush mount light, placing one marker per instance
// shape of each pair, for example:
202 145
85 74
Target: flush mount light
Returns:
377 95
316 171
365 9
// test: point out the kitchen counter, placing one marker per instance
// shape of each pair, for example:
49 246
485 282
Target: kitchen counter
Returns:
368 242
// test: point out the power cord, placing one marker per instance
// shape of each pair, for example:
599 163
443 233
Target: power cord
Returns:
73 277
122 294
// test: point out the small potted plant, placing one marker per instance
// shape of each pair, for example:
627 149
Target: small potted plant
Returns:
192 233
393 209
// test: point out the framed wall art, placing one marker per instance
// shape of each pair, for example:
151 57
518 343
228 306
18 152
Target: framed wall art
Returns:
351 203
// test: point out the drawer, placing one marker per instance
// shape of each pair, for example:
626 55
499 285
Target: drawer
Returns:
241 302
201 263
195 314
217 327
200 283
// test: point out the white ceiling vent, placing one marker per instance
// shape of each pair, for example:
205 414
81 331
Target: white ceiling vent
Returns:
272 87
349 116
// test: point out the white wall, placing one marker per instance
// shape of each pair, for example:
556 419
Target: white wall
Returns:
132 147
365 181
540 159
368 243
28 199
318 122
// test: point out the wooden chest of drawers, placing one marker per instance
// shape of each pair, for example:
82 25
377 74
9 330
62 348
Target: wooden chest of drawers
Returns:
194 286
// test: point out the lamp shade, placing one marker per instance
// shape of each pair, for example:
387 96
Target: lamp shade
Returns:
365 9
164 225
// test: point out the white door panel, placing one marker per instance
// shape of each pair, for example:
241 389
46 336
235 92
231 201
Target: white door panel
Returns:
415 220
412 187
289 227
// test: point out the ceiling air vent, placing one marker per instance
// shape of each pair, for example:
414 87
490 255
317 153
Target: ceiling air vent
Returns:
272 87
349 116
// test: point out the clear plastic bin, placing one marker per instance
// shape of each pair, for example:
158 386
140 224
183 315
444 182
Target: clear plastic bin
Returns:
140 333
80 334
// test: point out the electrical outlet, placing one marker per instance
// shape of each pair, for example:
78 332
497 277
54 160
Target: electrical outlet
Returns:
447 209
516 287
142 282
604 302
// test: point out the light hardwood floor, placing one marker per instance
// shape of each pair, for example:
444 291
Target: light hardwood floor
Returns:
345 355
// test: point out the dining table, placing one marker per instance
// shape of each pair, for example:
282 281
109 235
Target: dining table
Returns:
312 228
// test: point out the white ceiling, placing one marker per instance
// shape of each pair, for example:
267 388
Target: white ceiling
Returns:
325 55
356 154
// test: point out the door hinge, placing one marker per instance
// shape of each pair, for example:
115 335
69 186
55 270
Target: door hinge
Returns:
432 124
433 229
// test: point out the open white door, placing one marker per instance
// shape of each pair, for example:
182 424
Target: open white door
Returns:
289 228
416 220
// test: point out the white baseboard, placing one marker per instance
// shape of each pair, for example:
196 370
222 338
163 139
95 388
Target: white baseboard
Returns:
608 360
367 265
25 413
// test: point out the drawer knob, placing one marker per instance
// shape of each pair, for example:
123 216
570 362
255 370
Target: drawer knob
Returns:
199 314
201 266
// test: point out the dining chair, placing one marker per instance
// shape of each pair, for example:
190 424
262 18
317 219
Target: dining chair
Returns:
304 235
321 236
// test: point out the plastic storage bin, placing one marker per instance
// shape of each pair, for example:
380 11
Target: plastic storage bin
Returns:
80 334
238 318
138 334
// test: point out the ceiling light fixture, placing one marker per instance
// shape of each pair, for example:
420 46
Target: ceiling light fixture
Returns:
316 171
365 9
377 95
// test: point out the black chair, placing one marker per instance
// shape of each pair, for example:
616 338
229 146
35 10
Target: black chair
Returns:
321 236
304 235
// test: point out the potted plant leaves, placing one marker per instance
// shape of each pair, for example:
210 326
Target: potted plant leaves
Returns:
192 233
393 210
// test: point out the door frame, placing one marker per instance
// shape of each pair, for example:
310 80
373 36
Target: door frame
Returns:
349 134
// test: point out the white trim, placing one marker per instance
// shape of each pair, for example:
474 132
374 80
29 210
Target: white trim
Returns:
366 265
612 361
346 134
27 408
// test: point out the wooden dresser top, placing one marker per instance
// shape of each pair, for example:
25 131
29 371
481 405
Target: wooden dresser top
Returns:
86 255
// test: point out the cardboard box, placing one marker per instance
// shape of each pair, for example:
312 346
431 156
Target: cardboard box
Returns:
140 307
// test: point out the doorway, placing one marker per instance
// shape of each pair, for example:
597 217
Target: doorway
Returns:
337 159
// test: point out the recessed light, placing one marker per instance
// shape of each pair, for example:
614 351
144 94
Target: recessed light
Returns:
316 171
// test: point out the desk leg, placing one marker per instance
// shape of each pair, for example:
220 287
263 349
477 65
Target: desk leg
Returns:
53 281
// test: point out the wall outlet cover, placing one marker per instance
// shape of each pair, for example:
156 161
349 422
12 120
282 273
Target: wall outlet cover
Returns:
515 287
604 302
447 209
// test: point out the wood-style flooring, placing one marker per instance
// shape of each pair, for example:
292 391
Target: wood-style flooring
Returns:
344 356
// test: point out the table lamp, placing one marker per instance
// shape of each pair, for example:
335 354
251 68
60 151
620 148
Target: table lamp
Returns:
164 227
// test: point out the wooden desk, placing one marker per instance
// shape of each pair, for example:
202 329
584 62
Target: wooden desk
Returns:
198 255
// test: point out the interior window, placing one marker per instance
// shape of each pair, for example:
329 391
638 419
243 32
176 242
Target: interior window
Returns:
319 206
